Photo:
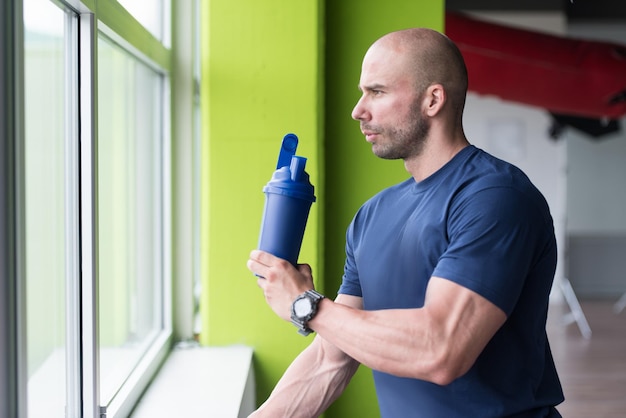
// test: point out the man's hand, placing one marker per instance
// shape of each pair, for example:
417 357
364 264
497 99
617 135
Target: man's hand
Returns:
281 282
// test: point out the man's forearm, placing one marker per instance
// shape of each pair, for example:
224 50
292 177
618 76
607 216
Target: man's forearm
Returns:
311 383
437 343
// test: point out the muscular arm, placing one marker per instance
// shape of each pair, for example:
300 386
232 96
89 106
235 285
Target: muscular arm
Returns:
437 343
314 380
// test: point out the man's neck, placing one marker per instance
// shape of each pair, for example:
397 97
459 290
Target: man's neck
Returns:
434 155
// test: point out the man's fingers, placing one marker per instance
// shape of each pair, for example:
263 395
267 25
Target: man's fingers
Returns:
256 267
263 257
261 263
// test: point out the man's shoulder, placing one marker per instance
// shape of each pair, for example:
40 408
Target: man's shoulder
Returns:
484 170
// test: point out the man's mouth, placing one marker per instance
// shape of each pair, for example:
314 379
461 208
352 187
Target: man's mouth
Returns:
369 135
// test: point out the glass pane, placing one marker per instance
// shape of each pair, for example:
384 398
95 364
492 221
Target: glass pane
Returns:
130 216
46 248
148 12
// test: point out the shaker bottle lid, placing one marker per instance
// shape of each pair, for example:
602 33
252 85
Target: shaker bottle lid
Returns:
290 179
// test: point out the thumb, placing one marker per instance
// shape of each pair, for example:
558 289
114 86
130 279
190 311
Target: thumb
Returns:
306 270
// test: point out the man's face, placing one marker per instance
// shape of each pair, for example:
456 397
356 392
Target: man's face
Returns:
389 110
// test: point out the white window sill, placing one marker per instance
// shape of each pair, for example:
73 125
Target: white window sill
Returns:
216 382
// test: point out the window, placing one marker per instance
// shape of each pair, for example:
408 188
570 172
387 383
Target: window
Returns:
49 256
130 212
97 206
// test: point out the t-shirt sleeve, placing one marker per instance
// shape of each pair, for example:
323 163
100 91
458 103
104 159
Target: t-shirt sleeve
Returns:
350 284
495 236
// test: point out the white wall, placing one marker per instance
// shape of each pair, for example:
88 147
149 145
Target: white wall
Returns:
596 196
597 189
597 169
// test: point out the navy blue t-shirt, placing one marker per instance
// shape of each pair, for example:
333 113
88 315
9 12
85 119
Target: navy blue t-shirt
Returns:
479 222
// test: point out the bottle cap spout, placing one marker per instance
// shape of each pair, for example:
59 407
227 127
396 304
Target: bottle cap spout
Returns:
287 150
297 168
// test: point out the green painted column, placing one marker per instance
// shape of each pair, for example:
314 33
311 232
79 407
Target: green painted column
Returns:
261 79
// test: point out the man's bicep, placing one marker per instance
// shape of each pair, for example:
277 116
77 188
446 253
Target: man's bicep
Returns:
468 319
458 303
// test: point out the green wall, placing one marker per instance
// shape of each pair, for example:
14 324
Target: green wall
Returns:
261 69
269 68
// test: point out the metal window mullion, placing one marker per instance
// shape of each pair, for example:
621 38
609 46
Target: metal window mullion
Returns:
12 224
89 217
196 163
72 221
165 210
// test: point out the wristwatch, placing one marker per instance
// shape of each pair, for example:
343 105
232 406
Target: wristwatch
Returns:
303 309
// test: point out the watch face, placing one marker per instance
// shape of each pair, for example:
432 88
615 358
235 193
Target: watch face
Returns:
302 307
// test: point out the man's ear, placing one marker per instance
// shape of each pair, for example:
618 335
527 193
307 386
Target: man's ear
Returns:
434 99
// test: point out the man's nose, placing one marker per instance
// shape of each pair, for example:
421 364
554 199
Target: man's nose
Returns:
359 112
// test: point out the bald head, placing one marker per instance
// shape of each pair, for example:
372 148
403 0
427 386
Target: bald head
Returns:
430 58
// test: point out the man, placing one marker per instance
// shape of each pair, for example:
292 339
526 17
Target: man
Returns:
447 275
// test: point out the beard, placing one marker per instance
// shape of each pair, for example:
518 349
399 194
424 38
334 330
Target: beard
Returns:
401 142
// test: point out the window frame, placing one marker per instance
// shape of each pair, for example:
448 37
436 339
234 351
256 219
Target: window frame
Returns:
13 370
113 22
128 394
83 377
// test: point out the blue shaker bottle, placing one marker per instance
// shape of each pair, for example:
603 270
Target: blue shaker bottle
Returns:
288 198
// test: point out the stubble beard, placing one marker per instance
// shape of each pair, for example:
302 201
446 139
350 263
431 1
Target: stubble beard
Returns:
402 143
